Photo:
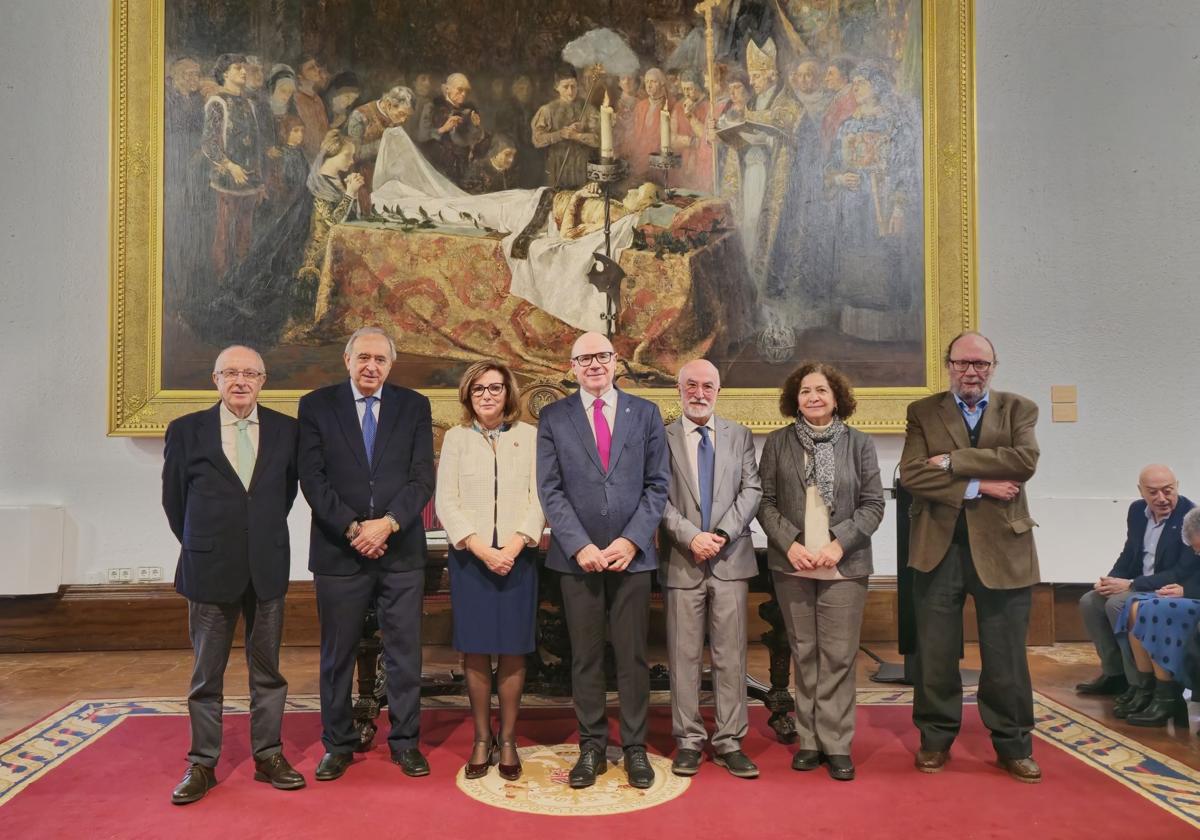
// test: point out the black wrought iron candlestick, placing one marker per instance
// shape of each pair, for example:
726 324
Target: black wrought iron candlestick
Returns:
664 162
605 274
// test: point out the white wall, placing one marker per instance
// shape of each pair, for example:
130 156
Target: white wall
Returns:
1089 197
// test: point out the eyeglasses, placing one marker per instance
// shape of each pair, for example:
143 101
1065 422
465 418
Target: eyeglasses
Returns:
586 359
703 387
495 389
961 365
248 375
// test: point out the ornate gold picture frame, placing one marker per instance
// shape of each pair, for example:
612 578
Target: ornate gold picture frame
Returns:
140 405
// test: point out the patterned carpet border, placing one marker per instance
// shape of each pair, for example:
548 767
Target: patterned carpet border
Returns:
1171 785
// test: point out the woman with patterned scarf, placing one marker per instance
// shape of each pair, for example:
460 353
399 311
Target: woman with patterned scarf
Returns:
822 501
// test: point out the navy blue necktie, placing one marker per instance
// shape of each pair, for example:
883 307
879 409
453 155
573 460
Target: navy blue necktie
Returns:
706 461
368 426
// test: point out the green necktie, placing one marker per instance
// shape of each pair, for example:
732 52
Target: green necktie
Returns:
245 453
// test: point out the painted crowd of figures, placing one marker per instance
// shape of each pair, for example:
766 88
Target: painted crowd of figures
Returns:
819 160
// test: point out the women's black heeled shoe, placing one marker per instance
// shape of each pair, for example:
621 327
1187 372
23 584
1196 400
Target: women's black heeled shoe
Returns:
510 772
1139 698
478 771
1168 705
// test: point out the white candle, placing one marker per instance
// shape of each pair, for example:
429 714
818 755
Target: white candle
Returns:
664 129
606 129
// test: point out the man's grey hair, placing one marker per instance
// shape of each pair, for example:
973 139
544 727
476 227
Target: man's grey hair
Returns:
1191 526
361 331
262 366
400 95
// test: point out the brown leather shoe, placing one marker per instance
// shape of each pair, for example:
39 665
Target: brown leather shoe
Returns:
931 761
276 770
196 782
1022 769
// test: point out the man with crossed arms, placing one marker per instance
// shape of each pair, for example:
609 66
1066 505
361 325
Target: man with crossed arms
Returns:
712 496
602 480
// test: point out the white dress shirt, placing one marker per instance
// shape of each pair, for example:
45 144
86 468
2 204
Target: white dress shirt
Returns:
691 438
1150 540
360 403
229 433
609 410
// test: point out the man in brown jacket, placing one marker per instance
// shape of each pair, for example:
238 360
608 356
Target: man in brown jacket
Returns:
967 455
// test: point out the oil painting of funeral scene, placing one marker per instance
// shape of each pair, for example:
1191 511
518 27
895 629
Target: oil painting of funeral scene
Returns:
489 178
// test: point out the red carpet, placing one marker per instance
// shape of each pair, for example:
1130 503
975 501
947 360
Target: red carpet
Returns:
119 786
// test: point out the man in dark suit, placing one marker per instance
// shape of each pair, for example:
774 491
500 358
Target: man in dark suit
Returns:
602 480
1153 549
366 469
967 455
709 560
229 480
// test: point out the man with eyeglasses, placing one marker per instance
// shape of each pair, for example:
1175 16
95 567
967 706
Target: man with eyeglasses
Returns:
1153 549
711 499
967 455
602 480
229 480
366 469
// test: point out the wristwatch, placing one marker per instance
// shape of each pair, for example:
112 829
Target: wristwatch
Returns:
395 525
722 535
945 462
353 529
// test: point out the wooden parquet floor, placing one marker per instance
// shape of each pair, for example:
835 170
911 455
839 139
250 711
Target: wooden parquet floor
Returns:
33 685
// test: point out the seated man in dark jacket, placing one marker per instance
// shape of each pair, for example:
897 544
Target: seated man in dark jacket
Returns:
1152 549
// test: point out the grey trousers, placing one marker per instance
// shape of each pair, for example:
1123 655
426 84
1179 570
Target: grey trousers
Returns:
824 622
211 628
720 606
622 601
1005 696
1100 617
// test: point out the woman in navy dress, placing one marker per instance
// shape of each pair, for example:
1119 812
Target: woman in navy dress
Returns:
488 503
1162 628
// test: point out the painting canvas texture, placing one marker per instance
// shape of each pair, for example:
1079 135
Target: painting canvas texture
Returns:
424 167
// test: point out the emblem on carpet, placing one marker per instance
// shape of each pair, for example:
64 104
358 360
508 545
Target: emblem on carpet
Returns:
543 789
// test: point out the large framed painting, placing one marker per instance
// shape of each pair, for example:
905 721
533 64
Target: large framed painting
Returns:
757 182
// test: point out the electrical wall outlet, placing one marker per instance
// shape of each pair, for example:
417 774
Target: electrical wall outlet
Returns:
125 575
149 574
113 575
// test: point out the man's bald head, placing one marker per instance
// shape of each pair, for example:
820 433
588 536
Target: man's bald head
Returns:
699 384
594 363
456 89
238 353
1159 487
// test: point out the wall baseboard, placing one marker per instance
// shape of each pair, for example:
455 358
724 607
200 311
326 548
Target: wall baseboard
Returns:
154 617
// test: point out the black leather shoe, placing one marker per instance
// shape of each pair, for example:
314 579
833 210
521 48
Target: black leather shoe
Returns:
686 763
1104 685
195 783
1167 705
637 767
1139 700
332 766
591 764
1125 696
412 762
276 770
840 767
806 760
738 764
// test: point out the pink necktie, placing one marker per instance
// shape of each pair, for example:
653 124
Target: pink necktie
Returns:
603 433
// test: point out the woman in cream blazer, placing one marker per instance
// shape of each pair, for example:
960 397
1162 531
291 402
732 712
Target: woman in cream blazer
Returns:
488 503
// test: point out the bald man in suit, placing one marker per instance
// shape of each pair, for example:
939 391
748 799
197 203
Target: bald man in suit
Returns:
229 480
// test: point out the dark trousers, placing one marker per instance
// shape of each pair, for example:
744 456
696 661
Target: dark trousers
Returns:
211 628
1005 695
342 602
622 601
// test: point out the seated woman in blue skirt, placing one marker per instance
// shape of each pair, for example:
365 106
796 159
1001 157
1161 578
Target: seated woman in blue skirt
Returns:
488 503
1161 625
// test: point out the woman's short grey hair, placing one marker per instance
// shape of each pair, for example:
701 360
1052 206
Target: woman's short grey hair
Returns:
1191 527
361 331
400 95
